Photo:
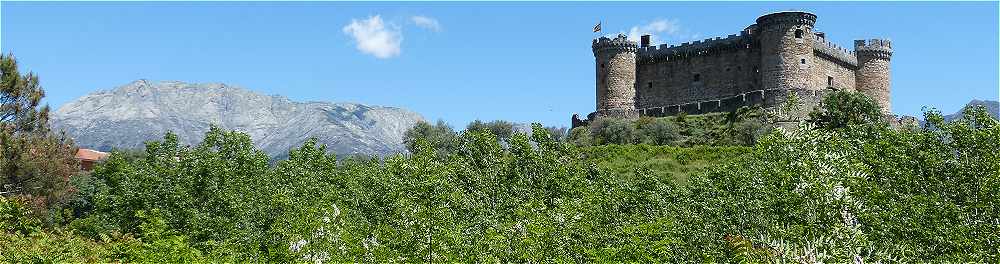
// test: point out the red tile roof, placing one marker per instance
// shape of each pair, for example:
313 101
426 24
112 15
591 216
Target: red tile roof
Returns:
90 155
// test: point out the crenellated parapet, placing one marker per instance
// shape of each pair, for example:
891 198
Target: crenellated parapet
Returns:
874 48
617 44
787 18
833 51
654 54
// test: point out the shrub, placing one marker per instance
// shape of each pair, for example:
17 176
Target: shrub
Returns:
614 131
841 109
660 131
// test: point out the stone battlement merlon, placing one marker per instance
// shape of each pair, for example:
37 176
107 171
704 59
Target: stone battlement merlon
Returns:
789 17
619 43
878 48
654 54
822 46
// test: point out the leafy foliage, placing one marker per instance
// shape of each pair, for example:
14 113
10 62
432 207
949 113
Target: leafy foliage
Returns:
740 128
35 162
867 193
841 109
853 191
439 136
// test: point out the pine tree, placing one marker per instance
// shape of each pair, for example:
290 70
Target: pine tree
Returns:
35 162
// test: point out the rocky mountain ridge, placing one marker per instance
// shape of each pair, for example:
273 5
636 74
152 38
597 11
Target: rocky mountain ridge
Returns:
127 116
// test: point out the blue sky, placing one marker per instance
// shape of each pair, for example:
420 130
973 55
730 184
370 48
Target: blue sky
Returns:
457 61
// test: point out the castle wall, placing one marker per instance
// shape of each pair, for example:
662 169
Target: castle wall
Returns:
720 74
873 70
824 67
616 81
786 49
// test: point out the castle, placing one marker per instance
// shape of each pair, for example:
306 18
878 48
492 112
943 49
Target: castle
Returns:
764 64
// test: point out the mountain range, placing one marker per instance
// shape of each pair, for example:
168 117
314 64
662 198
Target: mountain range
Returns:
128 116
993 107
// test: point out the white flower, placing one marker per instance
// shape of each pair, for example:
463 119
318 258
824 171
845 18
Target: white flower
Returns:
296 246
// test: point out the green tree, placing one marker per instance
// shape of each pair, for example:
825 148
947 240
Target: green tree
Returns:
580 136
614 131
439 137
844 108
33 160
500 128
659 131
746 124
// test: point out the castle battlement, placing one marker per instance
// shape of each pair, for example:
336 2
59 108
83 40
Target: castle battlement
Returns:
620 43
787 18
822 46
877 48
711 46
777 56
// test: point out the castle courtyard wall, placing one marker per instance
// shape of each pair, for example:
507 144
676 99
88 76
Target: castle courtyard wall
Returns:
824 66
721 74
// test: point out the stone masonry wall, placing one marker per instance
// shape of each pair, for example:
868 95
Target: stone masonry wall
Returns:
786 56
873 70
615 59
825 67
616 81
718 75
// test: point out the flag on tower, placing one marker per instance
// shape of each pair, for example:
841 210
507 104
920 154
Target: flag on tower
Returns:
597 28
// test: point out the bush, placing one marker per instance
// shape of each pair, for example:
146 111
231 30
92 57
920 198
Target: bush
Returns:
659 131
841 109
580 136
614 131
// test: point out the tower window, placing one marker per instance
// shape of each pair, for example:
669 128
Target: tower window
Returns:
602 65
650 85
829 81
798 33
697 77
803 61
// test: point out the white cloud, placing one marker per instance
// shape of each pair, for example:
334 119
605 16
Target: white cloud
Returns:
373 37
658 29
426 22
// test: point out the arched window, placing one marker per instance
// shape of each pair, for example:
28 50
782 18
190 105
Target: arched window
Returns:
697 77
798 33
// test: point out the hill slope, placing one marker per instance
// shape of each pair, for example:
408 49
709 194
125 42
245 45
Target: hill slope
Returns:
129 115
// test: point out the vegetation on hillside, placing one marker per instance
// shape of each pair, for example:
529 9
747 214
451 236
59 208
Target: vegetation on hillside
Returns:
860 192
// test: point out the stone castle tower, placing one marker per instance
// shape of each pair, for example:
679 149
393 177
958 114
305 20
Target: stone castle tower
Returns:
781 54
615 76
873 70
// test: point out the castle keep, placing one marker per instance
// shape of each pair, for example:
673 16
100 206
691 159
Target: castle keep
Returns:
780 54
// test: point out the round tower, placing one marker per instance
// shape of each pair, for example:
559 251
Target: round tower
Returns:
785 40
872 76
615 76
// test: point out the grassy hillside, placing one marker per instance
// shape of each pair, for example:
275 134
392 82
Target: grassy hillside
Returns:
667 162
